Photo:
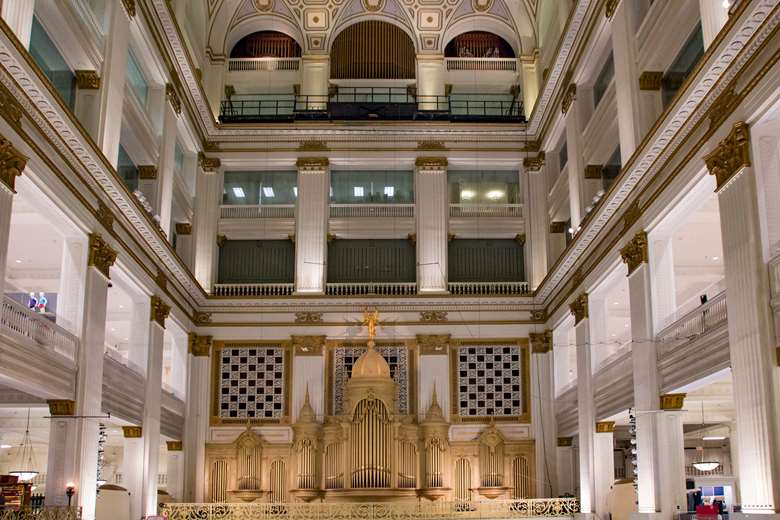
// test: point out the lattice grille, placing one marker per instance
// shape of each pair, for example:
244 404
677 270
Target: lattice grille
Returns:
489 381
251 382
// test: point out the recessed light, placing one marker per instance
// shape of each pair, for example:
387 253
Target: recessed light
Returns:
5 446
113 329
18 261
389 191
615 303
467 194
358 191
714 438
716 258
268 191
494 194
239 192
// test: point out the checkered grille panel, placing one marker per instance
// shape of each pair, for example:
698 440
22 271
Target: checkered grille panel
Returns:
489 381
252 382
397 358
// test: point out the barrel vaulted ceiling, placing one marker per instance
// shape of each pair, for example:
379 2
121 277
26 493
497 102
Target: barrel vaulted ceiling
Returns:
315 23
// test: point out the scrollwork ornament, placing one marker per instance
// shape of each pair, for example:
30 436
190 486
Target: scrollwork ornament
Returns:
101 255
635 253
731 155
579 308
12 163
159 311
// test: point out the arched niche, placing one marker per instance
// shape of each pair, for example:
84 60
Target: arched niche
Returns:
222 44
372 49
484 25
478 44
266 44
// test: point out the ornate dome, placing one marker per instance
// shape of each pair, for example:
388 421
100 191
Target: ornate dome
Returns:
371 364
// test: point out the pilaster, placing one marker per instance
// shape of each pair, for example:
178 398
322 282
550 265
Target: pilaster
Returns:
543 413
671 456
133 467
12 163
315 73
536 201
175 469
60 465
434 372
311 225
308 373
530 76
430 81
432 221
565 466
18 14
576 163
586 410
196 420
604 466
164 192
208 197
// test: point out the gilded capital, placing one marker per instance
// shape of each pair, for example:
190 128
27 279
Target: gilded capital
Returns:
650 80
183 228
199 346
672 401
312 164
431 164
534 164
208 164
9 107
541 342
308 345
132 432
129 6
433 344
12 163
730 156
87 79
173 445
593 171
568 97
101 256
147 172
565 442
173 98
221 239
605 427
159 311
635 253
579 308
61 407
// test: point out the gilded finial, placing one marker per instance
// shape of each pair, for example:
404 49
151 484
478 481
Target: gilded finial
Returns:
370 320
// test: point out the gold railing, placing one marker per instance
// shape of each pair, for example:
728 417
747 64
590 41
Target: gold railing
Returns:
521 508
41 513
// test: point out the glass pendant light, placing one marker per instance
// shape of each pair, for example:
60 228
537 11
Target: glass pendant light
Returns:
25 459
705 465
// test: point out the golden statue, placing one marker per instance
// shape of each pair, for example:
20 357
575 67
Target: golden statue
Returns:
370 320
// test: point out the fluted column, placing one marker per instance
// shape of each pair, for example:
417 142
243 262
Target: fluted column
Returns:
629 116
315 73
432 220
89 381
671 456
430 81
751 338
543 413
60 465
12 163
133 468
604 466
713 17
208 197
18 14
537 219
565 465
586 409
530 77
175 470
164 192
645 369
311 225
576 164
196 421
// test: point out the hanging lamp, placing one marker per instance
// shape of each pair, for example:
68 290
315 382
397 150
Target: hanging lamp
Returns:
25 459
705 465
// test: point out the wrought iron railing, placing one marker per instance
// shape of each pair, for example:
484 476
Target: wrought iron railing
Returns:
263 64
41 513
21 321
486 210
482 64
697 322
488 288
371 288
372 210
237 290
257 211
520 508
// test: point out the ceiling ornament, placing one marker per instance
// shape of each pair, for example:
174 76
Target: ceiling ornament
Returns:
264 5
373 5
482 5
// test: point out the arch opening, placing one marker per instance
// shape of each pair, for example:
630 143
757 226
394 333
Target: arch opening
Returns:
266 44
478 44
372 50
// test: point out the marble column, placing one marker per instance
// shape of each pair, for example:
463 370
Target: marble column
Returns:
213 81
671 456
576 164
175 470
184 241
87 107
208 197
433 372
645 369
197 419
89 381
751 338
133 468
315 75
663 284
530 76
11 166
308 374
713 17
60 465
18 14
432 224
152 402
164 193
112 83
311 225
537 219
604 466
430 81
565 466
586 409
629 116
70 297
543 413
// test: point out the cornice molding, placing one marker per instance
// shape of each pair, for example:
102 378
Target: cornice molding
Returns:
635 253
730 156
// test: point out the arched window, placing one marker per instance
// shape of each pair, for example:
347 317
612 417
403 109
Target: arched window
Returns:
478 44
266 44
372 50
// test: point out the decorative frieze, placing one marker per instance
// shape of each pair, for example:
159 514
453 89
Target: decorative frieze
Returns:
635 253
650 80
313 164
579 308
557 227
431 146
159 311
104 216
308 345
541 342
61 407
183 228
731 155
672 401
433 344
593 171
432 164
132 432
308 317
433 316
565 442
173 445
12 163
605 427
534 164
199 346
101 256
568 97
173 98
208 164
147 172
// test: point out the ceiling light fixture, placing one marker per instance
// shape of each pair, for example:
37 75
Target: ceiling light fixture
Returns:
705 465
268 191
25 459
239 192
713 438
494 194
18 261
358 191
467 194
5 446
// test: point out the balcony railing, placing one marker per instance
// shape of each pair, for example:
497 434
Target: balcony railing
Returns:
238 290
488 288
371 288
256 211
263 64
486 210
482 64
19 320
699 321
41 513
372 210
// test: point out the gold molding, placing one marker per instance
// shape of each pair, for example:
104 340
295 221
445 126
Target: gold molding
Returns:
10 108
433 344
183 228
650 80
635 252
308 345
61 407
568 97
147 172
541 342
730 156
593 171
313 145
202 318
557 227
173 98
199 346
431 146
565 442
132 432
610 7
605 427
208 164
312 164
632 215
308 317
104 216
87 79
12 163
579 308
129 6
723 106
433 316
101 255
672 401
173 445
534 164
431 163
221 239
159 311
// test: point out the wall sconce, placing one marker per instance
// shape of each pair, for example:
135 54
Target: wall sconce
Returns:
70 490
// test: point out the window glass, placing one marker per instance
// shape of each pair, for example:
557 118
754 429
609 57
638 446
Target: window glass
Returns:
484 187
682 65
563 155
372 187
137 80
265 188
52 64
127 170
178 158
611 169
603 80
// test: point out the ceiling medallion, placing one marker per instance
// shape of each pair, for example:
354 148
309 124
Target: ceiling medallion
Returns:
264 5
373 5
481 5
